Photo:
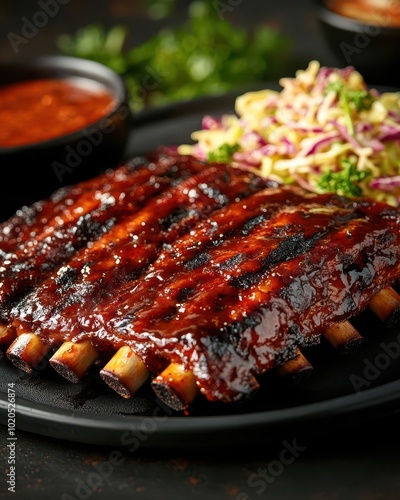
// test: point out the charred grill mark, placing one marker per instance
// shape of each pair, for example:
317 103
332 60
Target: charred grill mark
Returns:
214 194
200 260
252 224
390 213
214 232
184 294
91 196
287 350
301 305
126 320
218 235
362 275
137 163
387 238
265 258
136 249
232 262
229 221
174 291
133 275
66 277
246 280
175 216
30 222
77 296
304 294
90 227
291 247
244 229
236 328
48 265
175 176
5 306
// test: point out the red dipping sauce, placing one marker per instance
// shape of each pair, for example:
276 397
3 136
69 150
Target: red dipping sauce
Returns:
375 12
39 110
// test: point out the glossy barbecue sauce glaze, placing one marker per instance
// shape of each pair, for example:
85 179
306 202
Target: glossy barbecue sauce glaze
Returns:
39 110
208 267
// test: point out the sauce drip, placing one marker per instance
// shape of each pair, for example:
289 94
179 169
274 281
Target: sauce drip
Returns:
375 12
39 110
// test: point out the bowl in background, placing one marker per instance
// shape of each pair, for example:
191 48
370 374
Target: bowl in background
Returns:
372 46
33 171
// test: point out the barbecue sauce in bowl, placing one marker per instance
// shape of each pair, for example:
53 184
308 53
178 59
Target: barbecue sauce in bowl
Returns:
375 12
44 109
63 120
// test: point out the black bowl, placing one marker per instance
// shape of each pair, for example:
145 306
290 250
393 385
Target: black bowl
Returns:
32 172
373 49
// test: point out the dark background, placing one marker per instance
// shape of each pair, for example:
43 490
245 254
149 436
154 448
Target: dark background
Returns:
295 19
360 463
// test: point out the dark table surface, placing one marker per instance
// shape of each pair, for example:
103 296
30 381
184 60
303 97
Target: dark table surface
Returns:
355 465
356 462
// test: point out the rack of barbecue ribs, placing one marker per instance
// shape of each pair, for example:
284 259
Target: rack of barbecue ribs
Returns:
194 277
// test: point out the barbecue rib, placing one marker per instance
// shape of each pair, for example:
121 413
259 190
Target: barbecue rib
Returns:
180 264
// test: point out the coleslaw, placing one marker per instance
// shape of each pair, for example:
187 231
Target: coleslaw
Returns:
325 131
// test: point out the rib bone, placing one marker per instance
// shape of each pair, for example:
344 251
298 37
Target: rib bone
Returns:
343 336
125 372
386 305
73 360
297 368
176 387
27 352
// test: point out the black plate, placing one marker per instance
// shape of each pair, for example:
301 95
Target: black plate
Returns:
343 389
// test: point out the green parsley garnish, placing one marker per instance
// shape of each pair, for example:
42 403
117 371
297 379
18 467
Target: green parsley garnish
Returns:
223 154
345 181
205 54
351 100
359 100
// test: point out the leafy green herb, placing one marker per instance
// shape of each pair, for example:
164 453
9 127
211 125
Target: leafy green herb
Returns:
158 9
362 100
204 55
359 100
351 100
223 154
94 42
344 182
